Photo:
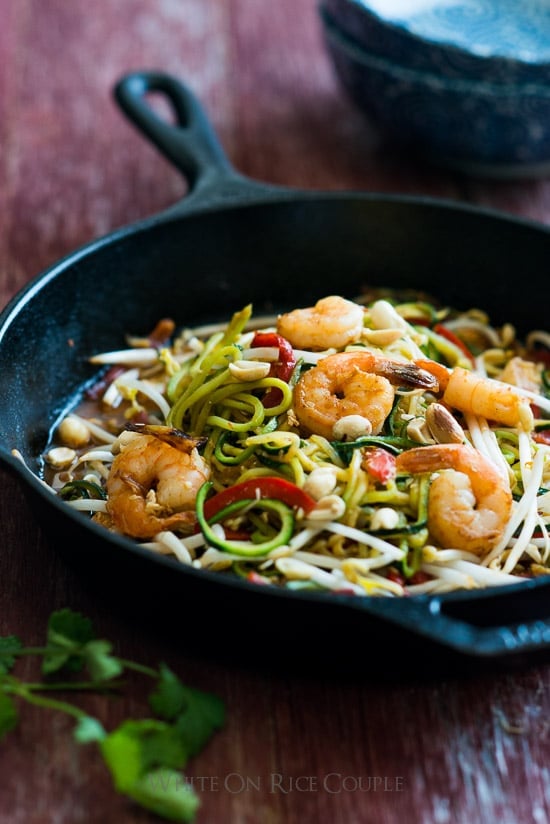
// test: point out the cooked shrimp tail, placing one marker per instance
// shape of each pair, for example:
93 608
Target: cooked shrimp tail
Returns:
168 434
441 372
408 374
469 503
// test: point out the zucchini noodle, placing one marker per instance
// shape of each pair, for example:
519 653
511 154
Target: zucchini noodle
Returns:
385 446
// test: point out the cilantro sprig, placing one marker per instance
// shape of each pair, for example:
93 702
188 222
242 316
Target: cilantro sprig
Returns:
144 756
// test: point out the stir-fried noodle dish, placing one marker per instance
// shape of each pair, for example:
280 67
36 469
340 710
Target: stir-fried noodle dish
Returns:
383 446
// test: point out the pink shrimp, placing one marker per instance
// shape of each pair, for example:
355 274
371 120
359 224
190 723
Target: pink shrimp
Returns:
469 502
153 482
353 383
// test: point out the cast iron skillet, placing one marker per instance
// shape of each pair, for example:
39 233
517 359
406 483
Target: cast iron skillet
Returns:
230 241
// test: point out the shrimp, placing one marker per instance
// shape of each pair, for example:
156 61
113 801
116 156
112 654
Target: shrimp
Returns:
475 394
469 505
153 482
352 383
333 322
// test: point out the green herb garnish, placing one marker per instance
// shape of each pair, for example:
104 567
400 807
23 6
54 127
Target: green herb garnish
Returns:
144 756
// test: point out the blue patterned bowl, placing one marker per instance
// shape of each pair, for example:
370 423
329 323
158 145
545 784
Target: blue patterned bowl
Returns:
492 41
488 129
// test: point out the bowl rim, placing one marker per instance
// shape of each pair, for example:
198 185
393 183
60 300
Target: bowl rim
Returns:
497 64
365 7
358 52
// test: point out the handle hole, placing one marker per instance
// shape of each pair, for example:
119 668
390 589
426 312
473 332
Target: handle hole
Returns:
163 108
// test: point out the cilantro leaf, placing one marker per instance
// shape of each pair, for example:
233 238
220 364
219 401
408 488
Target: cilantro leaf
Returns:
169 698
143 756
203 714
196 714
69 628
166 793
122 753
68 632
136 747
88 729
101 664
9 647
8 714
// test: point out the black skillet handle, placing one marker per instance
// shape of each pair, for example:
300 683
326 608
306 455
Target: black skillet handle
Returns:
190 143
505 621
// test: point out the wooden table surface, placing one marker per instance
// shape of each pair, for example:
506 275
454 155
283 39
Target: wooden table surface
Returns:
296 747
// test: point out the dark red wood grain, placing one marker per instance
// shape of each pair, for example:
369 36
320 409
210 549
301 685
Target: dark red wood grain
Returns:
296 748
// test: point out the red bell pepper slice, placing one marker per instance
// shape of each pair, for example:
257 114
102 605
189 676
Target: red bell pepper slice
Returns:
420 577
266 487
380 464
282 369
442 330
397 577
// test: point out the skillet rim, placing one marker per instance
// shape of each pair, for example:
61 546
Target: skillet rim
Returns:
429 605
222 191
